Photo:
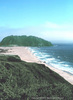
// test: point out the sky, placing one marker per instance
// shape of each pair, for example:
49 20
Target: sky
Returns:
49 19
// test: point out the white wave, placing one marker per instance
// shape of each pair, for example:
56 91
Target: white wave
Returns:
58 57
51 59
66 65
57 63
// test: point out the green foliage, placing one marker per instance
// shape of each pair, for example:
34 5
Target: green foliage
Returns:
25 81
24 41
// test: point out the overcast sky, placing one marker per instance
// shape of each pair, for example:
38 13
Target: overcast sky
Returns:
49 19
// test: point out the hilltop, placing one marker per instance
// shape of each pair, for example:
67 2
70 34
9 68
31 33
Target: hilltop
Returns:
20 80
24 41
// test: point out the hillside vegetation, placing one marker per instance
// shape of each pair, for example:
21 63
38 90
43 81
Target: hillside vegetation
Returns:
20 80
24 41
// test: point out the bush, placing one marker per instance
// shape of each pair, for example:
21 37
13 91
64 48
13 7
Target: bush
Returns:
26 81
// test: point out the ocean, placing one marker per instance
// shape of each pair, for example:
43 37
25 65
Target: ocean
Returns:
59 56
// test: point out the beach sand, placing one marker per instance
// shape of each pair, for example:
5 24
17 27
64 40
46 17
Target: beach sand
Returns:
26 55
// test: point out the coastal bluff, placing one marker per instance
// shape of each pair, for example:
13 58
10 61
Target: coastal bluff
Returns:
20 80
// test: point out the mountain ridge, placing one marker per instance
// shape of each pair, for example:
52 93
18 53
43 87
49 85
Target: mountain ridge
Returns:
24 41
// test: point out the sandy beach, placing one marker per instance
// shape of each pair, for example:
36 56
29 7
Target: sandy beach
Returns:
26 55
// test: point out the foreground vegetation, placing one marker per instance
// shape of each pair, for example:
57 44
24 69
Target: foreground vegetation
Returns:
20 80
24 41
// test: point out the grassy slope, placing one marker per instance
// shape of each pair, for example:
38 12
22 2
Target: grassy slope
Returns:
24 41
22 81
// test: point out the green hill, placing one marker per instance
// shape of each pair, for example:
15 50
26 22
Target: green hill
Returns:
24 41
20 80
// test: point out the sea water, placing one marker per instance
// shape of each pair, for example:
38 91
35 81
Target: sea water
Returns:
59 56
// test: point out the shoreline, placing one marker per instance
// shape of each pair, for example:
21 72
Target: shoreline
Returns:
26 55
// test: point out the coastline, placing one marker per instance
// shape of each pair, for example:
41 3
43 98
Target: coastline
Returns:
26 55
